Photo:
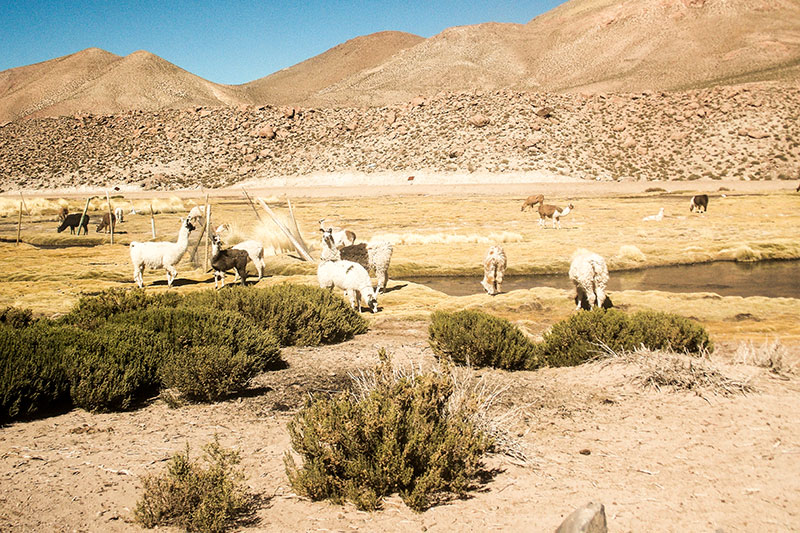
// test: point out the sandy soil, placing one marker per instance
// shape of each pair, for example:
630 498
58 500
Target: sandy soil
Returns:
658 460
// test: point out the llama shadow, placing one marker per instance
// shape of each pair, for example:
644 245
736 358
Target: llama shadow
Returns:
176 283
395 288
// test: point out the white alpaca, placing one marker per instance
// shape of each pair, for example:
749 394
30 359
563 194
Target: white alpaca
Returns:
346 275
119 214
373 256
341 237
656 218
494 266
157 255
589 274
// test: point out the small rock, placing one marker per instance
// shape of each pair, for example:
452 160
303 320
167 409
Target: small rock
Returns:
585 451
478 120
591 518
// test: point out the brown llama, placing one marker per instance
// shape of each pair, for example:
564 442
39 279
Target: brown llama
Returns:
531 201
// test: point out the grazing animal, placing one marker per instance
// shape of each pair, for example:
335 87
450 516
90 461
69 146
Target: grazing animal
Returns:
494 266
253 248
589 273
120 214
72 221
657 217
156 255
104 223
196 213
531 201
373 256
699 201
556 213
222 260
346 275
62 214
342 237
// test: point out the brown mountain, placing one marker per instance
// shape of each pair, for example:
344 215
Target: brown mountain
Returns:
299 82
95 81
602 45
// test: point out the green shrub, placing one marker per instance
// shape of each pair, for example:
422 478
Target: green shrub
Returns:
32 377
479 339
198 327
91 311
395 437
575 340
114 366
16 318
297 314
209 373
193 497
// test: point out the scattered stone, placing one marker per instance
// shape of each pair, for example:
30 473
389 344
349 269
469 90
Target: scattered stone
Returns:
591 518
266 132
478 120
545 112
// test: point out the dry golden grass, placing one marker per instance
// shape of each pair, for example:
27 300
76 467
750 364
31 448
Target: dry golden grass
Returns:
738 227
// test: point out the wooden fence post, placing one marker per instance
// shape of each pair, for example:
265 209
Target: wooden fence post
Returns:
252 205
83 215
19 222
110 215
152 222
208 233
22 199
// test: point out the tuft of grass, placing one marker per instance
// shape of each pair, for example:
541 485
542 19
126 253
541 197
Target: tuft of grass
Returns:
194 496
770 355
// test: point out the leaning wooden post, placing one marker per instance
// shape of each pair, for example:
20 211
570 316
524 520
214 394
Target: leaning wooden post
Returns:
19 223
208 233
152 222
83 215
110 217
22 199
252 205
297 245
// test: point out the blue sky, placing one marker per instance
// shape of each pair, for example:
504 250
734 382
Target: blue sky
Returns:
229 41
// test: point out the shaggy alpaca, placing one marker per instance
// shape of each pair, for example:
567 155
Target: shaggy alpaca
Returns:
105 224
494 266
589 273
155 255
74 221
346 275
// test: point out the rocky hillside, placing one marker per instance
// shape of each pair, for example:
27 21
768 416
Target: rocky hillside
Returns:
741 133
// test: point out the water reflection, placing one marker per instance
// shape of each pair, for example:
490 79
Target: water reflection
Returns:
764 278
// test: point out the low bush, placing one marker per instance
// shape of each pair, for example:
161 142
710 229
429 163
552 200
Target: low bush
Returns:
15 317
575 340
195 497
209 373
398 436
478 339
32 377
297 314
114 366
91 311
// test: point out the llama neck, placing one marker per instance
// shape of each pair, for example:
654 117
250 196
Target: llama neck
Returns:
183 240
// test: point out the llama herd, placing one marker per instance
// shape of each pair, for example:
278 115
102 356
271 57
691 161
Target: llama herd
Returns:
346 265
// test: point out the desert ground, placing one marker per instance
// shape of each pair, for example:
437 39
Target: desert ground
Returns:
668 459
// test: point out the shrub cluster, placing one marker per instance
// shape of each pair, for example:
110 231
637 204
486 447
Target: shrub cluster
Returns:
117 347
480 339
193 497
298 315
396 437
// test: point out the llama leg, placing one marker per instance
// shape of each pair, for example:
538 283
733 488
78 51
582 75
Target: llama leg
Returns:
351 296
498 280
259 267
383 280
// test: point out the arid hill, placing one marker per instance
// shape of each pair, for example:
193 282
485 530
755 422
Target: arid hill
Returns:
580 46
96 81
594 45
301 81
739 133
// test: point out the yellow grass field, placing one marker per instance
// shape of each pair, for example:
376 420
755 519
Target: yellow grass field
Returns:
436 235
